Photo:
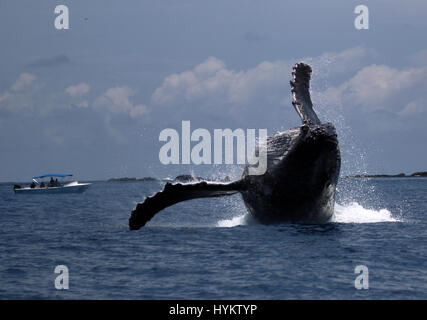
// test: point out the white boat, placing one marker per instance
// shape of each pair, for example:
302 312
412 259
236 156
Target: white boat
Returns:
53 186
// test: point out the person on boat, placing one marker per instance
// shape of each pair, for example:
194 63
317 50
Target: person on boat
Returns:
32 185
56 183
51 183
42 185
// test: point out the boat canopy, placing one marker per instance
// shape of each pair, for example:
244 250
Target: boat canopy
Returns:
53 175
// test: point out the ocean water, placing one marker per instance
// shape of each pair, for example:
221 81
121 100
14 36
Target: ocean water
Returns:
211 249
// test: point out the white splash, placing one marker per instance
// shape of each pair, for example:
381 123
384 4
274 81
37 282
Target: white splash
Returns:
355 213
350 213
234 222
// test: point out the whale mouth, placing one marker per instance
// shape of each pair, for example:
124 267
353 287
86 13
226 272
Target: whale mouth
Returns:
326 140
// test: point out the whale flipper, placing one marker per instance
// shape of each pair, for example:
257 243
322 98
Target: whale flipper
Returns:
177 192
300 87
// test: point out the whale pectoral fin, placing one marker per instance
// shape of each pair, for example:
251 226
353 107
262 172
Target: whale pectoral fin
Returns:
174 193
300 88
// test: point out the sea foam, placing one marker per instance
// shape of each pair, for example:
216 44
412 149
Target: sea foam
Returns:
355 213
348 213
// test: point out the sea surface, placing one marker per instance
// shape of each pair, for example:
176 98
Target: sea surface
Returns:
211 249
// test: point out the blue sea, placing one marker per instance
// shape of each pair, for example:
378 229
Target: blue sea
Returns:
211 249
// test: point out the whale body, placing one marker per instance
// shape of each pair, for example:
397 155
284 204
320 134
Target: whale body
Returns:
299 185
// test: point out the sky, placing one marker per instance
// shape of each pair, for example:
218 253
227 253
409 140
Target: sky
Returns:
93 99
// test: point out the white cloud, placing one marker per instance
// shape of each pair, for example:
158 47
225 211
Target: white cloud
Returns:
374 87
19 96
24 81
4 97
78 90
335 63
25 96
82 104
212 81
117 100
414 108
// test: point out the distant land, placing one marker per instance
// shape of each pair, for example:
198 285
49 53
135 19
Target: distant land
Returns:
399 175
181 178
189 177
126 179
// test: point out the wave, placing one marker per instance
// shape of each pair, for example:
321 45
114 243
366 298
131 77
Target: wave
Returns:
348 213
355 213
234 222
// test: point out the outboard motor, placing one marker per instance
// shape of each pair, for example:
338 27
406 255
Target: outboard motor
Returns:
16 186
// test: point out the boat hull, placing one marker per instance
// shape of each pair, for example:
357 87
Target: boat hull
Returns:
72 188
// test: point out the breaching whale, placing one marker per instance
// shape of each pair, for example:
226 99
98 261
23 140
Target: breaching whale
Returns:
303 166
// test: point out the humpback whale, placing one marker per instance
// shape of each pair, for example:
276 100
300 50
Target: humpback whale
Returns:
303 166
